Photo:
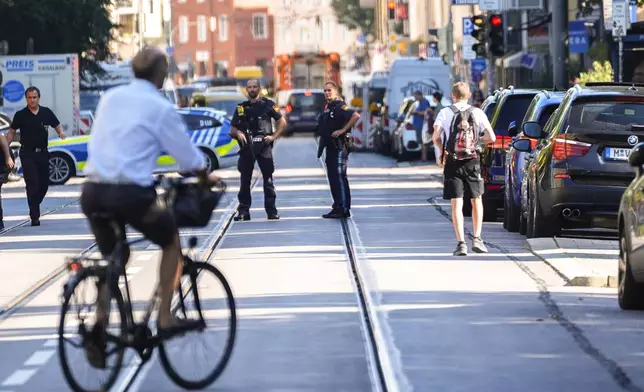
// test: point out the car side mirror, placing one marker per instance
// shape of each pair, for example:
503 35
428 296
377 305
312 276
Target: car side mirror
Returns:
523 145
512 129
532 129
636 157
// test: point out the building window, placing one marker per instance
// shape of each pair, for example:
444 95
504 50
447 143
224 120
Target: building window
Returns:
223 28
183 29
201 28
305 34
181 1
327 30
151 5
200 1
260 26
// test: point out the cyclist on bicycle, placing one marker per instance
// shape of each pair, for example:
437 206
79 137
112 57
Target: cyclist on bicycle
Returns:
134 125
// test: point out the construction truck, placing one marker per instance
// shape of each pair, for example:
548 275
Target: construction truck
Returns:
306 70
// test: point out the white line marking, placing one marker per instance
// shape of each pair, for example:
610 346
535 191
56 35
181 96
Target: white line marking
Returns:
19 377
133 270
152 247
39 358
144 257
141 376
51 343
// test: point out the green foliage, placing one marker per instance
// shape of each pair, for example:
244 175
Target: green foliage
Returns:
599 73
351 15
61 26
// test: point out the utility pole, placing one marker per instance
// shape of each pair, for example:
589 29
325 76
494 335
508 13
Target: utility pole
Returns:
450 44
141 23
559 11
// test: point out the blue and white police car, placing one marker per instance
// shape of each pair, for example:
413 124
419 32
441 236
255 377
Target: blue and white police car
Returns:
208 129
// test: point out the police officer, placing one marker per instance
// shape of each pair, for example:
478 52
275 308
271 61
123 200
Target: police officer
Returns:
253 129
34 122
333 128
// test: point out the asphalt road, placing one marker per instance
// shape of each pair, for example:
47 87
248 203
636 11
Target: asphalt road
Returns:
502 321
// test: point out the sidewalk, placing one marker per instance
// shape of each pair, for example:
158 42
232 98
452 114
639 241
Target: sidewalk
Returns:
583 262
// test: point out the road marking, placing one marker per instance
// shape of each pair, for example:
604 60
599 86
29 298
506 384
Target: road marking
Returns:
152 247
51 343
133 270
144 257
19 377
39 358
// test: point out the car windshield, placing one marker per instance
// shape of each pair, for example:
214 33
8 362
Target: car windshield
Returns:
226 106
513 109
606 116
314 100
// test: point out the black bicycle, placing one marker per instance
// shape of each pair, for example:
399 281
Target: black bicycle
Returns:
135 335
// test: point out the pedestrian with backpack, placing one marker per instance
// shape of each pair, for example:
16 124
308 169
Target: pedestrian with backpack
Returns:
464 129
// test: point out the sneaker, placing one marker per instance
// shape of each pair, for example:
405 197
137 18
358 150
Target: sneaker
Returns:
461 249
242 216
478 246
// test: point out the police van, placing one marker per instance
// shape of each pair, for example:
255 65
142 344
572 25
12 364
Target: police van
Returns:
409 74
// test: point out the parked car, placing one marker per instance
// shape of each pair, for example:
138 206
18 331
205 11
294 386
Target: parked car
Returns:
543 105
630 265
208 129
580 168
303 107
511 105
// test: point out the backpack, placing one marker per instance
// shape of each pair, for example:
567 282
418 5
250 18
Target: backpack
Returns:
463 140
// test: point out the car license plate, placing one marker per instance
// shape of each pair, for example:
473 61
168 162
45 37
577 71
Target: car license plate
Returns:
309 114
617 154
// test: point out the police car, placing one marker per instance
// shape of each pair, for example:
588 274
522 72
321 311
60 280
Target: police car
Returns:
208 129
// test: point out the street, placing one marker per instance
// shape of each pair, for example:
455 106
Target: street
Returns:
508 320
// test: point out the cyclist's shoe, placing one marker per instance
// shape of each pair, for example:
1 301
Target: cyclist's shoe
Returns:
182 326
242 216
94 343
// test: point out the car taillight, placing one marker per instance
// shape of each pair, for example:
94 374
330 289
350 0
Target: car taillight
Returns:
565 148
501 143
409 127
289 108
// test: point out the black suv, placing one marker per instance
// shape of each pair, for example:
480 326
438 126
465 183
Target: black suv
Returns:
302 110
580 167
510 105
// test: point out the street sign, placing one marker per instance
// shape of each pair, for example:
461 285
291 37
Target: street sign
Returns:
577 37
491 5
465 2
169 50
478 65
468 40
621 18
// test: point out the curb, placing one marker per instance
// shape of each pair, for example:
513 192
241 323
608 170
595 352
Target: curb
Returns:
559 254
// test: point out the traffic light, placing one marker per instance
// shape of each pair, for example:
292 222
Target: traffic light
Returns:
391 6
479 34
497 46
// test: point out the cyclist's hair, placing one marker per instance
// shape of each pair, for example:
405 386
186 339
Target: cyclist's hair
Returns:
148 62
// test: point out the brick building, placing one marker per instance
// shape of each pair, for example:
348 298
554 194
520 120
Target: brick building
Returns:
214 36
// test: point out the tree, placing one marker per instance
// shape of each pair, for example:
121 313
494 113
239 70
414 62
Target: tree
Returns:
349 13
599 73
61 26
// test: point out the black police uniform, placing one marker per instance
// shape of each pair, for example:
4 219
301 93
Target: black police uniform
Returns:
254 119
34 157
335 116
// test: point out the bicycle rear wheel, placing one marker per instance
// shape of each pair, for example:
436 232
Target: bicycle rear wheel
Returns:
89 276
193 273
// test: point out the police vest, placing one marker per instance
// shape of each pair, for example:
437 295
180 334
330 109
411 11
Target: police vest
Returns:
255 117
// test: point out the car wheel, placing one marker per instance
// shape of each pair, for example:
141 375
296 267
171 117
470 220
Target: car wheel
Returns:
61 168
211 159
630 294
538 224
512 210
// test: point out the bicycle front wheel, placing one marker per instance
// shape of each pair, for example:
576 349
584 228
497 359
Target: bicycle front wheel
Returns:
77 318
206 291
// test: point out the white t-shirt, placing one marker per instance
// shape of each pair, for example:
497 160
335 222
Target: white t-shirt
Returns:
445 116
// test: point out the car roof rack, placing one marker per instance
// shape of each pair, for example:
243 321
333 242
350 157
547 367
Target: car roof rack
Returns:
616 84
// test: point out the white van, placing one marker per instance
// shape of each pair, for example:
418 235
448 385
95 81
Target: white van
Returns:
409 74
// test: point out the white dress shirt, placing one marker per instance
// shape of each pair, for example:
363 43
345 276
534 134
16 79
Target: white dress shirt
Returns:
134 125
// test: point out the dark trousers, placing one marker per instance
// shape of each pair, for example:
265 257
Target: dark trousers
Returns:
336 171
263 154
35 171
